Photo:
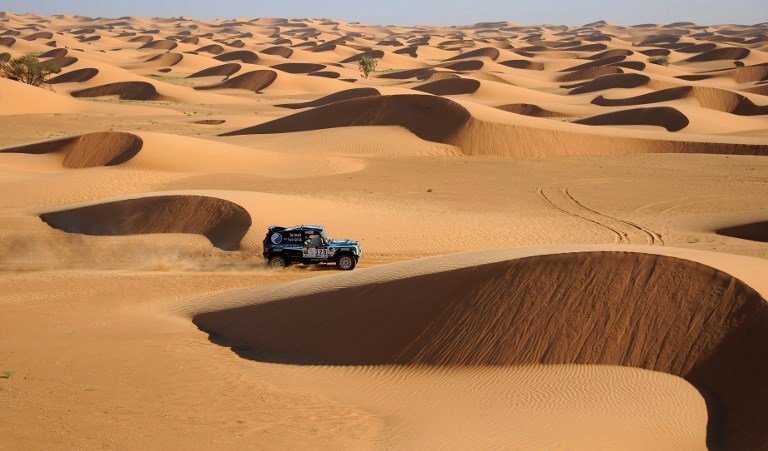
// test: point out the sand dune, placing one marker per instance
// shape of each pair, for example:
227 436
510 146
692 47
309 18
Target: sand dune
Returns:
166 59
712 98
488 52
62 61
411 51
455 125
54 53
24 99
664 95
253 81
522 312
728 102
167 146
465 66
609 81
598 63
299 68
589 74
245 56
89 150
609 54
756 231
160 45
223 223
523 64
336 97
656 52
749 74
449 87
75 76
732 53
39 35
697 48
224 70
129 90
213 49
359 56
420 74
669 118
285 52
528 109
416 113
210 121
325 74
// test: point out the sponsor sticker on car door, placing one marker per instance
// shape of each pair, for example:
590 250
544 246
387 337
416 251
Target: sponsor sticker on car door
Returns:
315 252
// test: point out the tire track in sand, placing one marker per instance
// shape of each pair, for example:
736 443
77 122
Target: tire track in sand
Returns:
625 232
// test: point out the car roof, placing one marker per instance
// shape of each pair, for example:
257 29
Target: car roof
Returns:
298 227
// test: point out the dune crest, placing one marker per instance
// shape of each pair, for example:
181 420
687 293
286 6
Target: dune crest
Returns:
165 144
224 223
669 118
253 81
88 150
127 90
430 118
75 76
442 120
224 70
453 86
650 311
333 98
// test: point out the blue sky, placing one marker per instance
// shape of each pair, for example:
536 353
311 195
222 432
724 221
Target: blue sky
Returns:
410 12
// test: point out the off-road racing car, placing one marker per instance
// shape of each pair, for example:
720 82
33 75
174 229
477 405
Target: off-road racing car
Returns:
308 244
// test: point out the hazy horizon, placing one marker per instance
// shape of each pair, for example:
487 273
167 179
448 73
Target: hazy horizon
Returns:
427 12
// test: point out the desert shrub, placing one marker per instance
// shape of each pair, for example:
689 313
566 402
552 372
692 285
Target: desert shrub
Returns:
660 60
367 64
4 57
28 69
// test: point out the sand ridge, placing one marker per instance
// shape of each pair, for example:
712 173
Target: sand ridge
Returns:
411 325
600 189
223 223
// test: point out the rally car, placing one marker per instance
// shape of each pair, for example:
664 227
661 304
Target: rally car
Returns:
308 244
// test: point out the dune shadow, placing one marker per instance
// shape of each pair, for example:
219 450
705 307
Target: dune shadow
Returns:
606 308
755 231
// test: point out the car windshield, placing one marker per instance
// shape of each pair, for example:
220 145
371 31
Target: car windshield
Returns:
325 236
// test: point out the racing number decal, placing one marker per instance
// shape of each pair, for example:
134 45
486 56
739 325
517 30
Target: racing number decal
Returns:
314 252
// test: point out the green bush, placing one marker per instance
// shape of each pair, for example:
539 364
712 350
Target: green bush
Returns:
28 69
660 60
367 64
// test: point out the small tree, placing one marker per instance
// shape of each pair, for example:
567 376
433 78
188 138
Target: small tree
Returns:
367 64
660 60
28 69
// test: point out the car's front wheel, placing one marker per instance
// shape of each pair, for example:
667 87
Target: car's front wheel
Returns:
346 262
277 261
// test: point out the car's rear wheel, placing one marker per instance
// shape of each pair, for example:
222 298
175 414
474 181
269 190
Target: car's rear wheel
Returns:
277 261
346 262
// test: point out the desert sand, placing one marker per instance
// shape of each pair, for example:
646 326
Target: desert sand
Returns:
565 243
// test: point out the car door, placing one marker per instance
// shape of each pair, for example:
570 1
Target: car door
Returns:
293 242
315 248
